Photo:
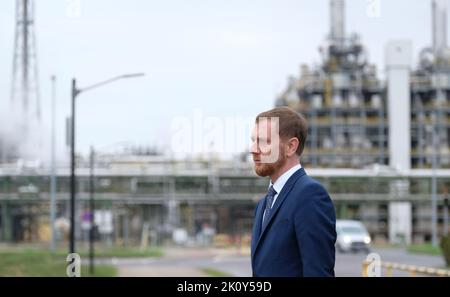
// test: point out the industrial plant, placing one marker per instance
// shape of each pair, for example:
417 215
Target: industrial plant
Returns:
380 147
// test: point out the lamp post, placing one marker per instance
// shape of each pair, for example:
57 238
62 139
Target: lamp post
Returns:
53 171
75 92
91 210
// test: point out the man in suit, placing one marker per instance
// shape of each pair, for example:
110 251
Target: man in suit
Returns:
294 224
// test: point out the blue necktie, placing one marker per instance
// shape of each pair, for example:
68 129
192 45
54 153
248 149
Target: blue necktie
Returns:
269 200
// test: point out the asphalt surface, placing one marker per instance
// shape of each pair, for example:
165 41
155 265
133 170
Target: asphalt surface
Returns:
189 262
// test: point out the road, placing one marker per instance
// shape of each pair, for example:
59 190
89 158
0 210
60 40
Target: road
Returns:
189 262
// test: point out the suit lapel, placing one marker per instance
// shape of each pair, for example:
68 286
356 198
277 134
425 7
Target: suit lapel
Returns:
280 199
258 222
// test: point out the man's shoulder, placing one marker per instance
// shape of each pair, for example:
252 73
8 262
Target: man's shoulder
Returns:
309 184
311 195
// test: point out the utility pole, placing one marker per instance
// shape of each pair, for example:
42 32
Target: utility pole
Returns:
53 171
74 93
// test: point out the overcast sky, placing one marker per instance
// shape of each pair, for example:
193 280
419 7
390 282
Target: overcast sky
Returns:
226 58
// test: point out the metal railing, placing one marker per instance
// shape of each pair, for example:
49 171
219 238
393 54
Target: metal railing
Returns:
412 269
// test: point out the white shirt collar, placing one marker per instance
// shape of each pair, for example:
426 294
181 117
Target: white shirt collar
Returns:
281 181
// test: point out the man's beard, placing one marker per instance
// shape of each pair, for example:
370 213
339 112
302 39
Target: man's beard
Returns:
267 169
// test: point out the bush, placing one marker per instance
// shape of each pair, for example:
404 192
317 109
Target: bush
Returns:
445 246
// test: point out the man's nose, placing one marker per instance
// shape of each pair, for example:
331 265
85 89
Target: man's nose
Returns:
255 149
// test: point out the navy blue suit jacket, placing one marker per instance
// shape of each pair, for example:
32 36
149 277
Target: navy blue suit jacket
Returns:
299 238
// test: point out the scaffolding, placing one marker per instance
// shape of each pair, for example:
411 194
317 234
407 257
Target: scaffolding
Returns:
430 97
343 101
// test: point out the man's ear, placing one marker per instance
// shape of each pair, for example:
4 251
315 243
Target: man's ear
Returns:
292 146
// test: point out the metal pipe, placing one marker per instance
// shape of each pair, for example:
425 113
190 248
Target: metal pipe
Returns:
434 184
337 19
439 25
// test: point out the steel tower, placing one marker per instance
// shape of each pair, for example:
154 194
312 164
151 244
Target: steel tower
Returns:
24 85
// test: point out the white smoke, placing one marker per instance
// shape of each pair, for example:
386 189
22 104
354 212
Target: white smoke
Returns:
22 135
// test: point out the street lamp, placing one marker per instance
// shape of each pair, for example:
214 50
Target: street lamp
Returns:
75 92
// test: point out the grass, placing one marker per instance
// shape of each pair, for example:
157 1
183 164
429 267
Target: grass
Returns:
42 263
127 252
100 252
215 273
425 248
36 261
388 245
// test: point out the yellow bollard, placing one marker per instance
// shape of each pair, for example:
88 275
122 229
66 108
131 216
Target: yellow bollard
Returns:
441 272
389 271
412 270
365 267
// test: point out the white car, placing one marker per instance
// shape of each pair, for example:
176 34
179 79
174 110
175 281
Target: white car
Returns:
352 236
